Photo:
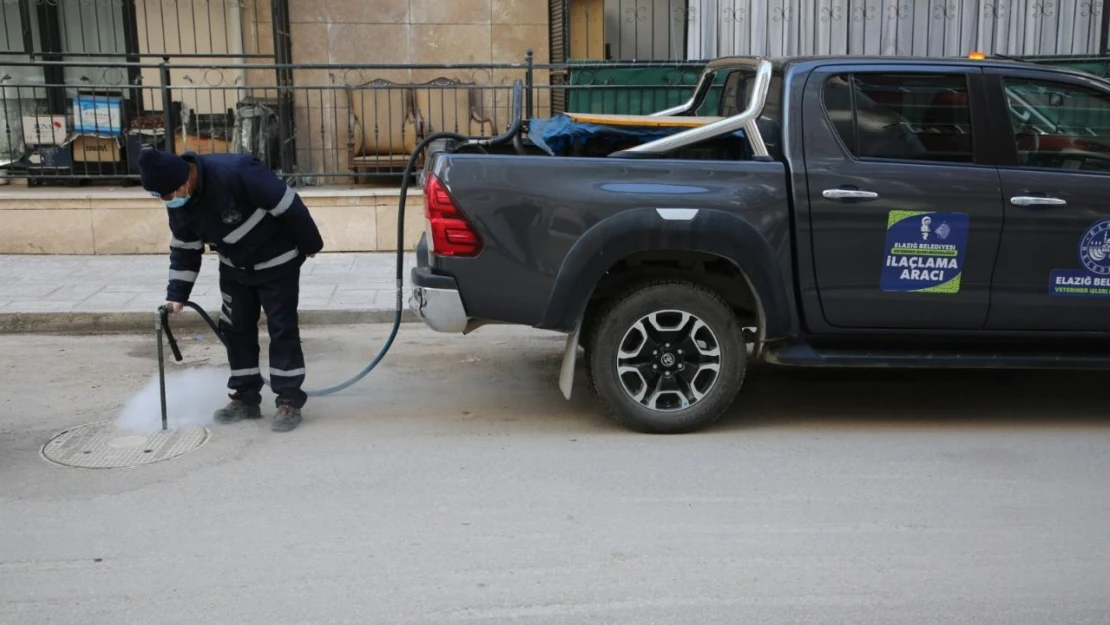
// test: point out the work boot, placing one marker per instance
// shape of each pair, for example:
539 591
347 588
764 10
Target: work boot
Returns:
288 418
237 410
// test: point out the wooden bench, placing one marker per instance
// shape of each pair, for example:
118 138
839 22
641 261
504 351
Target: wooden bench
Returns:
386 120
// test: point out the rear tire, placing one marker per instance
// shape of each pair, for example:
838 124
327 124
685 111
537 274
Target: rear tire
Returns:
666 357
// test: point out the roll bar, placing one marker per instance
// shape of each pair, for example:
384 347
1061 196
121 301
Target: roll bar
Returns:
702 88
746 120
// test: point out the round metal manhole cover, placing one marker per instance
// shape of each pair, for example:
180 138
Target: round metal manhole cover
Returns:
102 445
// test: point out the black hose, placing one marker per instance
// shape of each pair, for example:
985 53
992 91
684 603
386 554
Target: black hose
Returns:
514 127
509 135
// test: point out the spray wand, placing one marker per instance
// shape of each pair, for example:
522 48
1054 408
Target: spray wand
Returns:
162 321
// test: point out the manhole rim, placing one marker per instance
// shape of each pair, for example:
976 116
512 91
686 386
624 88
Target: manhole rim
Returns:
206 436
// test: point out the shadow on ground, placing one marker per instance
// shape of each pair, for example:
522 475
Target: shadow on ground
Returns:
775 397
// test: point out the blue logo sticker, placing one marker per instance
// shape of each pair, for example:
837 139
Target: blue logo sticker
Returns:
1093 280
924 251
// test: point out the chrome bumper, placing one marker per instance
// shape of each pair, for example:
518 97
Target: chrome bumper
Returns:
440 309
435 298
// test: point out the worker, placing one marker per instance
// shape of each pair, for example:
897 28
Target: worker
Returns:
262 233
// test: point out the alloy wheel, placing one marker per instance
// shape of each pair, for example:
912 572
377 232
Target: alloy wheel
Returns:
668 360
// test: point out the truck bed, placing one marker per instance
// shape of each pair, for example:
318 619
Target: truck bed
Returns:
532 214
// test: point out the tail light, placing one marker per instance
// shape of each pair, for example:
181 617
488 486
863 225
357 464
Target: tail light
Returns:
451 234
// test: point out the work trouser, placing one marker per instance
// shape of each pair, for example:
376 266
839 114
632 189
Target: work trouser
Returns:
239 324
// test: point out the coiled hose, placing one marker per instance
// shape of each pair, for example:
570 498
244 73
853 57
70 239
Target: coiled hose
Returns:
512 134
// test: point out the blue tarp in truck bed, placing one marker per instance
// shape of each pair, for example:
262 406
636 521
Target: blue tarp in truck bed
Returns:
557 135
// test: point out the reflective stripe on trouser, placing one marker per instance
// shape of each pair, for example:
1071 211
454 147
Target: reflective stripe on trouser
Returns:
286 367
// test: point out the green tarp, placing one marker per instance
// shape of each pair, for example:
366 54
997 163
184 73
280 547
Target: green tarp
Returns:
632 91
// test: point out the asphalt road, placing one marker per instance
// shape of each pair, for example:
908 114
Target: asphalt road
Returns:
455 485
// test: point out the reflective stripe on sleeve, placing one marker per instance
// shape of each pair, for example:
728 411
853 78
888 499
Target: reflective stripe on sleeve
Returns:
184 276
285 202
186 245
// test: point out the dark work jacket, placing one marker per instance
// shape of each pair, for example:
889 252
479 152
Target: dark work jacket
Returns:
258 226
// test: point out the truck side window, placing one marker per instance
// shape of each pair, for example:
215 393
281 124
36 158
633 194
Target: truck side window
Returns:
1058 125
919 117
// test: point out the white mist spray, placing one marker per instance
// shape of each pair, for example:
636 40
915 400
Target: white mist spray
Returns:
192 395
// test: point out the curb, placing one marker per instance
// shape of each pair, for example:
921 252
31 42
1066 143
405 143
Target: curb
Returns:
188 321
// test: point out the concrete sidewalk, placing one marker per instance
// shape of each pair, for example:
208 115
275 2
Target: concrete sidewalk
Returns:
122 293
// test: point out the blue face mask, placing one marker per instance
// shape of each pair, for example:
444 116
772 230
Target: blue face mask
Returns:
177 202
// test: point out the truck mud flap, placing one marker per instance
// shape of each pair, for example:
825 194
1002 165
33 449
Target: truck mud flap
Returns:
570 357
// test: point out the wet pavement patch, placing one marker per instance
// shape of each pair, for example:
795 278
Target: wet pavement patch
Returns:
101 445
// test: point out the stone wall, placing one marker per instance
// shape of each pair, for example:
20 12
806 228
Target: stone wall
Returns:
405 32
65 221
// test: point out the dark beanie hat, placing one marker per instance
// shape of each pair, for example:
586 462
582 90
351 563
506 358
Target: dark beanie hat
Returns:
162 172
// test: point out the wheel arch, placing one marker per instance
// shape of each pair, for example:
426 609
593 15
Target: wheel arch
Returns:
649 233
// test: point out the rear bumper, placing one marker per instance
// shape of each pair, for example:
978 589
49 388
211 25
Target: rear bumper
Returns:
435 298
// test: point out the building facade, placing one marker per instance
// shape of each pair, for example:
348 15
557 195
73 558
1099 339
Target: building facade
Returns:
685 30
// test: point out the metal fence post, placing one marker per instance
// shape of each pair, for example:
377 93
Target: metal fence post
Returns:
529 81
283 57
167 106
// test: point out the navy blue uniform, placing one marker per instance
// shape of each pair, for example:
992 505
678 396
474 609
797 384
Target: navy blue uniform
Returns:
262 233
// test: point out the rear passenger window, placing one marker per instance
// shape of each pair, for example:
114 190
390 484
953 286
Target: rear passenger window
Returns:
734 100
917 117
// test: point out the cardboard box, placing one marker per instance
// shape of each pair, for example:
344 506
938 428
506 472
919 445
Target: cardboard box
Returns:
44 130
96 149
97 114
189 142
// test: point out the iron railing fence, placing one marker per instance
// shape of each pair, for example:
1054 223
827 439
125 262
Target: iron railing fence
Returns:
336 124
329 124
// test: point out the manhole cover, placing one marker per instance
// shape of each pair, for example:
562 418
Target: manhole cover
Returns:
102 445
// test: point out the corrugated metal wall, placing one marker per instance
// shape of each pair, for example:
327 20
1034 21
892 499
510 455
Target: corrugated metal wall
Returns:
892 27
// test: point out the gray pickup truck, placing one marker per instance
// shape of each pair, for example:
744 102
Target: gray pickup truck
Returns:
818 212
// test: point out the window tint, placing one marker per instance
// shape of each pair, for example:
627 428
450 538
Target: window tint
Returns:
735 90
738 91
1058 125
921 117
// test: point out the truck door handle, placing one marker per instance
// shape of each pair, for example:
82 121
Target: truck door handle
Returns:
849 194
1031 200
